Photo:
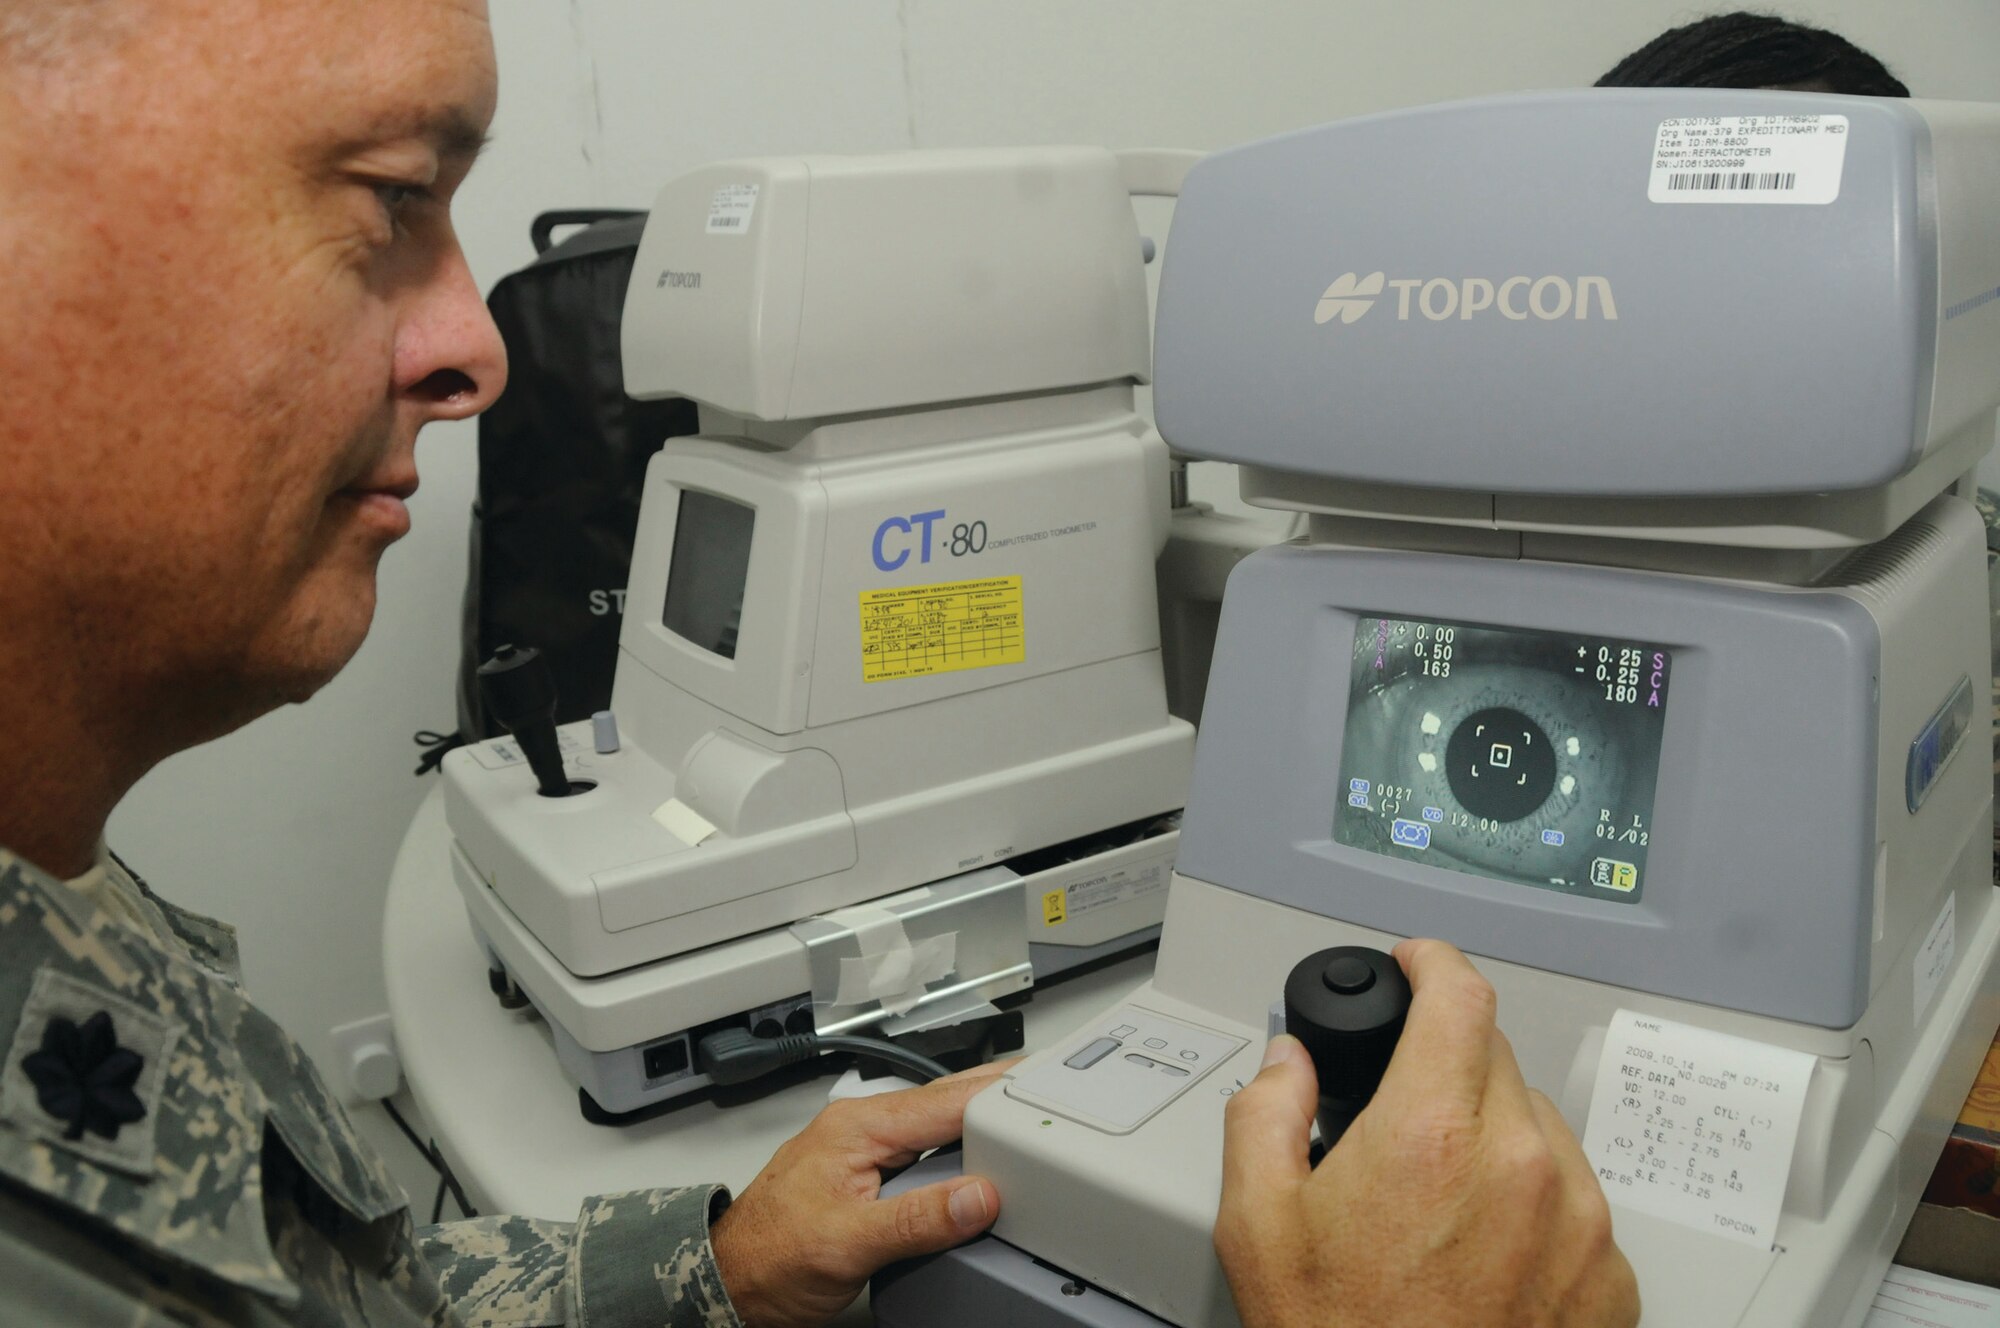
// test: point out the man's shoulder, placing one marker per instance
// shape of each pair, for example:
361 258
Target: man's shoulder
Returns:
28 892
123 1103
48 928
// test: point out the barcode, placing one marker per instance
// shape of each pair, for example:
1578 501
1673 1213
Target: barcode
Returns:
724 223
1711 181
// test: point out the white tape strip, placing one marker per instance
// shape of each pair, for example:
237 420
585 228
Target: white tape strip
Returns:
683 822
890 969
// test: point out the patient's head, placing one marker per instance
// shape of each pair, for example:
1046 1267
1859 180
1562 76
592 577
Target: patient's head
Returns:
1744 50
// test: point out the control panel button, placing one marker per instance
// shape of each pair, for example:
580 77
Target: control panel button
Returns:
1123 1086
1348 976
1092 1053
1148 1063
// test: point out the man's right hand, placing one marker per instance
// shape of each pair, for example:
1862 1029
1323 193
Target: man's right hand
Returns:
1458 1196
802 1241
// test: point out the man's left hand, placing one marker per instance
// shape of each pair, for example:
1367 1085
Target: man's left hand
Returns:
799 1244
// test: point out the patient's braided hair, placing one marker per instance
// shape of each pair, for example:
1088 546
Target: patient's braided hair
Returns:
1744 50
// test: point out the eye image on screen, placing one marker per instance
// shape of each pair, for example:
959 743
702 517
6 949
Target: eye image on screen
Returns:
1524 756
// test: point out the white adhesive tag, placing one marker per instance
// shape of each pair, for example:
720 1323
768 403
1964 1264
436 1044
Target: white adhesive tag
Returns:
731 208
1935 956
1109 889
500 753
1748 159
683 822
1696 1126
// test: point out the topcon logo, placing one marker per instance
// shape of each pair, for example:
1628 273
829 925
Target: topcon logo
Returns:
1348 297
1439 298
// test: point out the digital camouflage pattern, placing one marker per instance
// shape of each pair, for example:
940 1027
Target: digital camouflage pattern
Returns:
256 1204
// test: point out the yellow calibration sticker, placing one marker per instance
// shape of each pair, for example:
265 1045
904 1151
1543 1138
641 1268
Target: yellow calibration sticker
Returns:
915 631
1054 909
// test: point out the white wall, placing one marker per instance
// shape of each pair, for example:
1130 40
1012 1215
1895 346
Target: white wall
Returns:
289 827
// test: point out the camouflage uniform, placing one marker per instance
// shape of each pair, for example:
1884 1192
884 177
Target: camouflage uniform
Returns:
169 1156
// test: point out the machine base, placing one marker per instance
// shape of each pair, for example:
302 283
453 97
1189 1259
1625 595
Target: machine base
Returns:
628 1039
988 1283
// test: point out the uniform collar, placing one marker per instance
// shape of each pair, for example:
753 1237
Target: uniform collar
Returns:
212 943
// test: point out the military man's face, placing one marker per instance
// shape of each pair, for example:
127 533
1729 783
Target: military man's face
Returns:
232 295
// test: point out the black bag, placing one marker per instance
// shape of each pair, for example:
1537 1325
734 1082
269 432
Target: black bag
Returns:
562 461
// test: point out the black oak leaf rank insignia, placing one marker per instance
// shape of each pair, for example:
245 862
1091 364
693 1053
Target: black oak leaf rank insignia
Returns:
83 1078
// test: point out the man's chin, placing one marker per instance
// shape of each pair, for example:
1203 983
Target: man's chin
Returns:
297 659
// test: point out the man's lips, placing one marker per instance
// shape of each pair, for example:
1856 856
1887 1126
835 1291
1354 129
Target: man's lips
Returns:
379 500
399 486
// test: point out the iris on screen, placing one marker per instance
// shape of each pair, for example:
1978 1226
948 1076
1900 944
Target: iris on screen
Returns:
1520 755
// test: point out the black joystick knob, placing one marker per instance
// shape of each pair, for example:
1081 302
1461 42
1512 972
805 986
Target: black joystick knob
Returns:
520 692
1347 1006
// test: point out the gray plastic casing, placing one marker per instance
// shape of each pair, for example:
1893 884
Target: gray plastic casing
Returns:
1757 348
1779 830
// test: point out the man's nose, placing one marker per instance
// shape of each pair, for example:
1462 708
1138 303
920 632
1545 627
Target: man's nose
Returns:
450 361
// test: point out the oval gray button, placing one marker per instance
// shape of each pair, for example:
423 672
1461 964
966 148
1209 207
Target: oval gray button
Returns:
1092 1054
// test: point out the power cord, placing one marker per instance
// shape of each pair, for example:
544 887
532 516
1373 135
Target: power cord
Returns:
432 1155
736 1055
435 746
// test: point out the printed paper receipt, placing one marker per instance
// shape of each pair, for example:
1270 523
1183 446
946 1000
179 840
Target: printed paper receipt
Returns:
1696 1126
1911 1299
915 631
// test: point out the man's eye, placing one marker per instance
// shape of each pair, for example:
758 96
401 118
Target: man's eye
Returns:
396 198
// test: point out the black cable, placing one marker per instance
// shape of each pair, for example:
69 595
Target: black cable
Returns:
435 746
389 1106
736 1055
457 1193
435 1158
888 1053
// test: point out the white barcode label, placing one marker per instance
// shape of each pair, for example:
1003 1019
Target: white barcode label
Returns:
730 210
1748 159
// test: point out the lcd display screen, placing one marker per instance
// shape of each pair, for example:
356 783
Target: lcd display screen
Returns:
711 566
1523 756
